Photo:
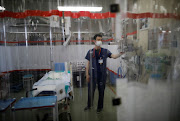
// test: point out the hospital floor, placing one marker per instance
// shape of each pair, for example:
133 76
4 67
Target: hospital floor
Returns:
80 102
76 107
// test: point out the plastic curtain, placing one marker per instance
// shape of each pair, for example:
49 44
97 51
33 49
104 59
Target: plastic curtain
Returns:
150 41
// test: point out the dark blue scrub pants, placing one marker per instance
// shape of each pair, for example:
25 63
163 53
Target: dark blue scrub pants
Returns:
92 88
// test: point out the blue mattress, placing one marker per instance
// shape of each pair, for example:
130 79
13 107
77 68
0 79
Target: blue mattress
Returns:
4 104
35 102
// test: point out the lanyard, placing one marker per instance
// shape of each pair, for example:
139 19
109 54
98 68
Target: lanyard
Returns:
94 52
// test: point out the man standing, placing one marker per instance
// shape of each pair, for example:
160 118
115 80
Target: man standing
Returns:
96 71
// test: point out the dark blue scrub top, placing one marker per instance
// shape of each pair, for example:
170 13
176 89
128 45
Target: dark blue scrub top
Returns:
98 69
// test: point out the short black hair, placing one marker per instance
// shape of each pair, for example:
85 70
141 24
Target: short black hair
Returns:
97 35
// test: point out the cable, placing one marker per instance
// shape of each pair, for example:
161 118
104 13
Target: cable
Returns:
119 69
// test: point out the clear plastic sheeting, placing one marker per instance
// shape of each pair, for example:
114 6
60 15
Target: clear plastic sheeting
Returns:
151 89
34 36
157 101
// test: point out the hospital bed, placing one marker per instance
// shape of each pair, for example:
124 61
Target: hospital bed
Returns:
54 83
53 90
57 83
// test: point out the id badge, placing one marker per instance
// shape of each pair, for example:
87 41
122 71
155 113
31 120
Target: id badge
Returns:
100 61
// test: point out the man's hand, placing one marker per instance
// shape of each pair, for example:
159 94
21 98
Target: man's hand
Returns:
114 56
88 78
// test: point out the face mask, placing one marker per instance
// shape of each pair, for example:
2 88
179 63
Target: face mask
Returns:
98 43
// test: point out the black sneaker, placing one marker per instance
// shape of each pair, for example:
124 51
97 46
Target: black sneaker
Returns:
87 108
99 110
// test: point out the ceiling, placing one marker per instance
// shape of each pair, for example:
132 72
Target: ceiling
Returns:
45 5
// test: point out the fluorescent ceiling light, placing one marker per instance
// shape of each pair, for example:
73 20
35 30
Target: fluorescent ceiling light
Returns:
70 8
2 8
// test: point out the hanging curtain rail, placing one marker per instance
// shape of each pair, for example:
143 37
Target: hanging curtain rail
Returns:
48 32
57 41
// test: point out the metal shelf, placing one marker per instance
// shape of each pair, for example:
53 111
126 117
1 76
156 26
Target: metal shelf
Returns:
22 25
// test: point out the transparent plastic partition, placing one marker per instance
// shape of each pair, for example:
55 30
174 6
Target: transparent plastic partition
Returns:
26 51
35 37
150 90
